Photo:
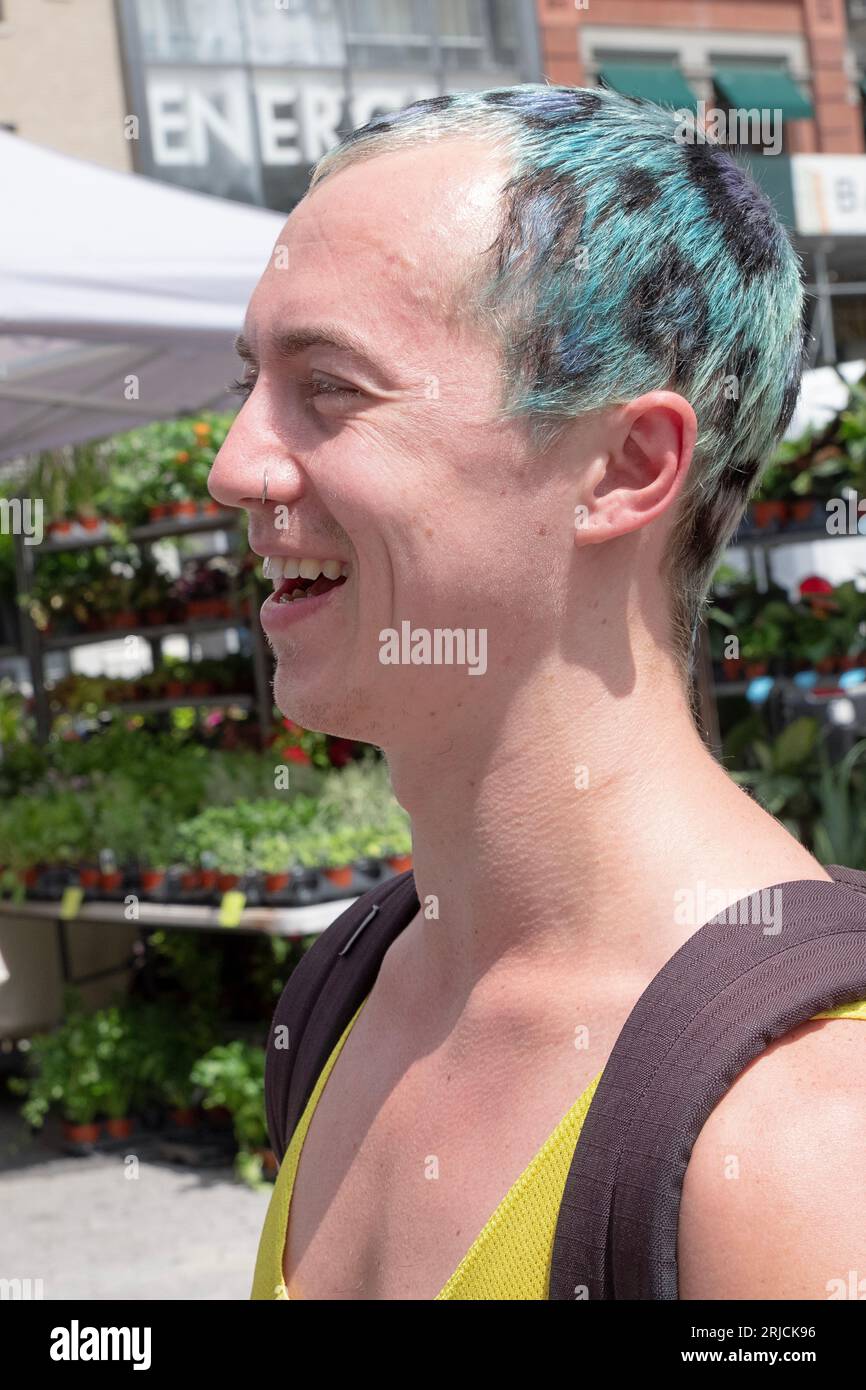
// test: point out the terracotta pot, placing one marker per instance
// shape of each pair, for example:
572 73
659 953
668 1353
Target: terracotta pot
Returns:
174 689
183 509
209 879
128 618
30 877
826 665
157 617
90 523
151 879
765 513
191 881
60 528
158 512
228 881
400 862
802 509
211 508
109 883
182 1117
731 667
80 1134
756 668
340 876
88 877
119 1128
275 883
199 688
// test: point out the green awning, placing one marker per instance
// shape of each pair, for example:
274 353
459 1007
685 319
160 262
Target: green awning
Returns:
760 89
656 82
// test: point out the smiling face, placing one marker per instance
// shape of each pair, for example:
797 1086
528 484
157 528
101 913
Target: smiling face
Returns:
391 458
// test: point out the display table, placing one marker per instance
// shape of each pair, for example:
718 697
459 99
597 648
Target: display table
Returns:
291 922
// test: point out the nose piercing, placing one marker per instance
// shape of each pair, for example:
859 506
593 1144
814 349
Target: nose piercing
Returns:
265 488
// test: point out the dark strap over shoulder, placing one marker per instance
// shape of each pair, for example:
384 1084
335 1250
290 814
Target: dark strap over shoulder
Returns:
323 991
728 992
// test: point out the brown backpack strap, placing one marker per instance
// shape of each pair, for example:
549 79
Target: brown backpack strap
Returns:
324 990
727 992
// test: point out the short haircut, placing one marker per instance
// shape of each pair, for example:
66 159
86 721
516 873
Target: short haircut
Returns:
632 254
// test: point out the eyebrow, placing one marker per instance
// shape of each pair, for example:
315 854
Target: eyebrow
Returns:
291 342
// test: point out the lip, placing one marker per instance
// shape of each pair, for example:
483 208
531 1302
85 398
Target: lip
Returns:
275 617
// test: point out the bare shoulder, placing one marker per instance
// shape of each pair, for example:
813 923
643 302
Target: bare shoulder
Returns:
773 1199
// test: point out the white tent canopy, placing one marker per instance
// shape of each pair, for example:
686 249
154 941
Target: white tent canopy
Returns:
104 276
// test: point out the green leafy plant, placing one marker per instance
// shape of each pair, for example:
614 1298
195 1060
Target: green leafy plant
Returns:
272 854
839 832
233 1075
785 766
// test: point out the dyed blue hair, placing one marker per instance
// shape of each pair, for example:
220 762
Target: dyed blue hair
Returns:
629 257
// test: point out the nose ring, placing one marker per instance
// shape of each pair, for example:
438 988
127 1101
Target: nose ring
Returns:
265 488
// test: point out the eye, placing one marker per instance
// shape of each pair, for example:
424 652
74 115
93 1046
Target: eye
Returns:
324 386
242 386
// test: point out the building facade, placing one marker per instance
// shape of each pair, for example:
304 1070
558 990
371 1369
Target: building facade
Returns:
241 97
61 80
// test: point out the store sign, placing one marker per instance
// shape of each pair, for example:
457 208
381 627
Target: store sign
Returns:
198 117
829 194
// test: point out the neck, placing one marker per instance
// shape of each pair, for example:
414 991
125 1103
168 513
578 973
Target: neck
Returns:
553 832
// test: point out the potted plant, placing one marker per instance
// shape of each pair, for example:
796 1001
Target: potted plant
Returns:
769 506
339 850
155 856
232 862
397 838
370 850
232 1075
116 1053
65 1074
272 857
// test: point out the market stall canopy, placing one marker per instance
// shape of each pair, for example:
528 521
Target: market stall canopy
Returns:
106 278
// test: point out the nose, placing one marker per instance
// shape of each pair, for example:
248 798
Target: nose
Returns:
252 466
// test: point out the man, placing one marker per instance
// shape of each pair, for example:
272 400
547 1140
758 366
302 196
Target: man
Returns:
513 370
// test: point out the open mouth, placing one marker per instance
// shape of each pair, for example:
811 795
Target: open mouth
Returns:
298 580
296 590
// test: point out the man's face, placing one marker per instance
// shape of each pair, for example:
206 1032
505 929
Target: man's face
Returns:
402 471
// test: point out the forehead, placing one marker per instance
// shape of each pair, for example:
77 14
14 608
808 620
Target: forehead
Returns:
381 244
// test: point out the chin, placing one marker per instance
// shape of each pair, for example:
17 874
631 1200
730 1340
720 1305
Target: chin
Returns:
344 713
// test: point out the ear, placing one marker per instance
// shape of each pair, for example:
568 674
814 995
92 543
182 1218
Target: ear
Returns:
641 473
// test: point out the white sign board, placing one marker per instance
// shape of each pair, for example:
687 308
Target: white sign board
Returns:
829 194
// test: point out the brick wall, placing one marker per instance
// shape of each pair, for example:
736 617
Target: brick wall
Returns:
817 26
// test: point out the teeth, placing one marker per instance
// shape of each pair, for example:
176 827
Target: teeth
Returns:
275 567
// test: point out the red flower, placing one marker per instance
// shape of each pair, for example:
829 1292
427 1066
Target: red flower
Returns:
815 585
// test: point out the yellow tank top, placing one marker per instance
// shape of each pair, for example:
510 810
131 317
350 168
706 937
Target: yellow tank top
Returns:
510 1259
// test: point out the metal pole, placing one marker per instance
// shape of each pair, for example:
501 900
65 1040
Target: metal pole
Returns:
825 307
31 641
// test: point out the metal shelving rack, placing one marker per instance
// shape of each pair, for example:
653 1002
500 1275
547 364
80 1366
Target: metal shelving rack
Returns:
34 645
787 698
